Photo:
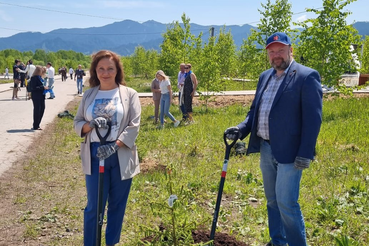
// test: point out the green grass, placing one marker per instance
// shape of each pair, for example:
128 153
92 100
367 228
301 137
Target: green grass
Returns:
5 81
187 161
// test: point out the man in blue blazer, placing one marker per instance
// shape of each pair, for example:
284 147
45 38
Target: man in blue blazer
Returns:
284 122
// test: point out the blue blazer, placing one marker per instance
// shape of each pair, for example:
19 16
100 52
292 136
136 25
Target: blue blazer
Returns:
295 116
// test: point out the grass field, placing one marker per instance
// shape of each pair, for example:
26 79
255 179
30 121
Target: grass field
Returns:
46 202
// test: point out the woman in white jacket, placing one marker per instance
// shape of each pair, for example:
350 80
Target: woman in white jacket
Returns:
108 100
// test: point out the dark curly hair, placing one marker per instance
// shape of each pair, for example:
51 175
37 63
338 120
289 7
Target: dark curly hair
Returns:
96 58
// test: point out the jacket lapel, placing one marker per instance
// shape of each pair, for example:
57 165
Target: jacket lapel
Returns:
287 79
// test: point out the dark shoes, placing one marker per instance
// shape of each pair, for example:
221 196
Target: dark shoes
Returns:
271 244
50 97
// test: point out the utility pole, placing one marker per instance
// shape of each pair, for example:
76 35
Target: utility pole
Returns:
212 31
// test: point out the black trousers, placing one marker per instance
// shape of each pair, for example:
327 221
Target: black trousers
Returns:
38 112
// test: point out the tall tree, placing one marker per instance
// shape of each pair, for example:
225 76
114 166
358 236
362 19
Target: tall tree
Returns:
178 43
274 18
226 52
325 41
208 71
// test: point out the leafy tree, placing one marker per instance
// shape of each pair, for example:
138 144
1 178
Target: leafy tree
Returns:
365 56
139 61
251 59
226 52
275 18
208 72
325 41
177 46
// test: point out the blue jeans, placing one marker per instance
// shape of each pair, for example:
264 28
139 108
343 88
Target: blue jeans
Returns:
281 186
164 108
51 83
79 85
116 192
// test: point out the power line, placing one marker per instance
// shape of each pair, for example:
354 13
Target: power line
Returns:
102 17
63 12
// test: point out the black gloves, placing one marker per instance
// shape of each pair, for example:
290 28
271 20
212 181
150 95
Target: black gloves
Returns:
302 163
99 122
233 133
107 150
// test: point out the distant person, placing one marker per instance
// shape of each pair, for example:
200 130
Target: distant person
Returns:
50 77
36 85
108 100
22 67
63 72
284 123
16 78
180 83
166 99
71 71
6 73
156 95
79 75
189 89
29 72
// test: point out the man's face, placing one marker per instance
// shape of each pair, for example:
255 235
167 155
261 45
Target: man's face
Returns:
182 68
279 56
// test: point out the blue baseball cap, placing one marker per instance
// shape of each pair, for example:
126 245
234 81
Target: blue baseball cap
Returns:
278 37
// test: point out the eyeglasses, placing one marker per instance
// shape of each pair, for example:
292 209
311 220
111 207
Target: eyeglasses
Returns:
186 67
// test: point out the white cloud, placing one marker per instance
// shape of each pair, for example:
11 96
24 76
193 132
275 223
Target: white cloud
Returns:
5 17
301 18
132 4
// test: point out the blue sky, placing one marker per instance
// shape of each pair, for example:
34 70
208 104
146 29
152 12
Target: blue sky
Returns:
44 16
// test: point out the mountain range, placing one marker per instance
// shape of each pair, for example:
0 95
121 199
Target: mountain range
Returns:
121 37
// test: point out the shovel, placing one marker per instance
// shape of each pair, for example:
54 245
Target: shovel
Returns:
221 185
100 214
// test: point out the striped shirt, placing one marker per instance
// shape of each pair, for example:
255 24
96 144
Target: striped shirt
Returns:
266 103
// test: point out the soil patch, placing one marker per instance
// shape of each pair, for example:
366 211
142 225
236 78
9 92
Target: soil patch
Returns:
215 102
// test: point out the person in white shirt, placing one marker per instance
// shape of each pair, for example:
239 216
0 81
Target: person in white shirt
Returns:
71 71
50 76
166 99
29 71
6 73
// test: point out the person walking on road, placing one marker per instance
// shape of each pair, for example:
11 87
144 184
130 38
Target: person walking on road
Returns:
6 76
283 122
79 75
156 95
166 99
50 78
108 100
16 78
36 85
29 72
71 71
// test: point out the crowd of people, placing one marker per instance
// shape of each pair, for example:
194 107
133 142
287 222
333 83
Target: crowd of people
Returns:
39 81
162 95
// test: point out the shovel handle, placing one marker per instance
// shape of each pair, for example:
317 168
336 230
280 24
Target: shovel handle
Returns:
103 138
228 145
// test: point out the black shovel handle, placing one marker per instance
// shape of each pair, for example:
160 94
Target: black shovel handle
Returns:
221 185
100 209
103 139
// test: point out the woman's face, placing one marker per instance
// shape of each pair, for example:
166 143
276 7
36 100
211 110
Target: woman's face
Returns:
106 71
159 77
